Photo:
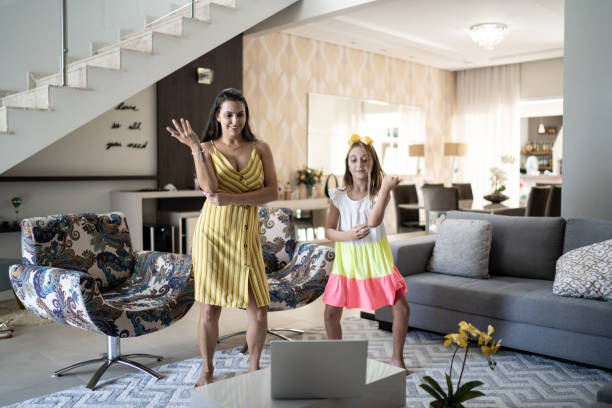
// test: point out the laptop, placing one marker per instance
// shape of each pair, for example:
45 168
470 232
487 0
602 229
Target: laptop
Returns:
306 369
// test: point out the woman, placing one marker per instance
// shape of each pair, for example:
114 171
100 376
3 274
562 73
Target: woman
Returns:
236 172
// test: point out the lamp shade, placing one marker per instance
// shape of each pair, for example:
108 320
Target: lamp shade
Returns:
455 149
416 150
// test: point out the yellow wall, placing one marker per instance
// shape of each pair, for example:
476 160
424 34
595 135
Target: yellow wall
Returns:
279 70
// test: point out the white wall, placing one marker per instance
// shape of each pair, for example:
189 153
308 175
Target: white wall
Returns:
587 168
542 79
31 31
83 153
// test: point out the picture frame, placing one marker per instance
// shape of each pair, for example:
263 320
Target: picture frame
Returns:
205 76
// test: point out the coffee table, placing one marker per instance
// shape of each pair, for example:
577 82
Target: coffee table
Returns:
385 387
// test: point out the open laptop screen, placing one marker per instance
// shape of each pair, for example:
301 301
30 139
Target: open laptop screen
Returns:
318 368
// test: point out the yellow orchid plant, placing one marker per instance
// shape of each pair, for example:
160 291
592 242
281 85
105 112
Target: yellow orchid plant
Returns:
468 335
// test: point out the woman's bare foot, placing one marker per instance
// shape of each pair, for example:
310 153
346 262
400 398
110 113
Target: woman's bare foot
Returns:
205 378
400 364
254 367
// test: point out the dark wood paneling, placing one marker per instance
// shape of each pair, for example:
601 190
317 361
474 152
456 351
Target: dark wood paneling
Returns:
179 95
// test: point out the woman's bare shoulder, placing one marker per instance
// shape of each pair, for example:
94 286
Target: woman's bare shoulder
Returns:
262 147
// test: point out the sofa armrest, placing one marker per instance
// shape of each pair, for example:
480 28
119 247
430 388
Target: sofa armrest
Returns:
411 255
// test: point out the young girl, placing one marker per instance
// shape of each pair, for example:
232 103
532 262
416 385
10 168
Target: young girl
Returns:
363 275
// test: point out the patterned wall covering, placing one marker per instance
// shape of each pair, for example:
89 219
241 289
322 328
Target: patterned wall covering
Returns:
279 70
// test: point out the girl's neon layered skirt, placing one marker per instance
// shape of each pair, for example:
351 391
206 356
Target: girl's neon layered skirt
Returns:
364 277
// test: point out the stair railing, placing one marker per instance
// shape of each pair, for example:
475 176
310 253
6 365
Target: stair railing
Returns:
64 55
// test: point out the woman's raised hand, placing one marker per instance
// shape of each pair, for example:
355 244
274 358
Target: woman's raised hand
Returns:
183 132
391 182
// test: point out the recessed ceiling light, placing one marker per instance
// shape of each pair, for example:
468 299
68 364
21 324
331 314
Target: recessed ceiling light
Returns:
383 50
352 42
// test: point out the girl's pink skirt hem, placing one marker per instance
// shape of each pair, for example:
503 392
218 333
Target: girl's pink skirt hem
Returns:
368 294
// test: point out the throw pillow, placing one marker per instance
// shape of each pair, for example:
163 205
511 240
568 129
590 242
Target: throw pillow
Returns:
585 272
462 248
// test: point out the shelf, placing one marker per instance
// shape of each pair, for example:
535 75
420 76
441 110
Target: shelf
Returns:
536 153
73 178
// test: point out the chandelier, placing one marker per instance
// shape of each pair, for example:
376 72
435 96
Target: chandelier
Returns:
488 35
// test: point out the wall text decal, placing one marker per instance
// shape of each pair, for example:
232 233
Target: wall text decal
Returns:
138 145
135 126
113 144
123 106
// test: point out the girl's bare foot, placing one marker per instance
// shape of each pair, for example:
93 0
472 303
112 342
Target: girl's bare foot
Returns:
400 364
205 378
254 367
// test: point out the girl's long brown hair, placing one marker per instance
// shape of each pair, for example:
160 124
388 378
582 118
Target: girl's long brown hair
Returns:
375 177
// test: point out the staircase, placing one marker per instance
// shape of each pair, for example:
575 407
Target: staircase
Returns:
33 119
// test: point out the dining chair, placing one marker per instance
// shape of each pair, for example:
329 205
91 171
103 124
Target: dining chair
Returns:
80 270
432 185
554 208
406 219
464 191
437 201
538 202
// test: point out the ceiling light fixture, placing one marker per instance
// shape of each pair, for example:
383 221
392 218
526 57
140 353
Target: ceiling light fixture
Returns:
488 35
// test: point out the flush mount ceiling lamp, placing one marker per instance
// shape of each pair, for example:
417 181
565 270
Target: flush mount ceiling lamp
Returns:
488 35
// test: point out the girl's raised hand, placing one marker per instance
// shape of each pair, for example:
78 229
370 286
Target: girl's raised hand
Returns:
184 133
390 182
358 232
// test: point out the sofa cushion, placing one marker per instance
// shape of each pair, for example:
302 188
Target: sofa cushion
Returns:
529 301
581 232
585 272
462 248
525 247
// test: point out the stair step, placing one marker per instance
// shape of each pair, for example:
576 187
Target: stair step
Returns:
37 98
224 3
96 46
76 77
202 12
3 119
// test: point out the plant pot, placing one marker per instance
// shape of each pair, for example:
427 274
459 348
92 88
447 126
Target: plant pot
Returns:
309 190
496 198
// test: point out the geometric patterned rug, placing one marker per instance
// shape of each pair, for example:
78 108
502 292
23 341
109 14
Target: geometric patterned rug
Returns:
519 380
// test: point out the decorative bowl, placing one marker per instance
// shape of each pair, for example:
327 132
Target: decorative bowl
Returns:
496 198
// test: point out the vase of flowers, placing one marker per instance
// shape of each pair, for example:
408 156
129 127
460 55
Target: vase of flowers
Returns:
454 397
498 179
309 177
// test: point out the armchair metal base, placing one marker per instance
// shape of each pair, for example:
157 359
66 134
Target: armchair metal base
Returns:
112 356
272 332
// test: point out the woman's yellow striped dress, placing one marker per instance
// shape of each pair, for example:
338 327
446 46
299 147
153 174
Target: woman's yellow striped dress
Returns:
226 249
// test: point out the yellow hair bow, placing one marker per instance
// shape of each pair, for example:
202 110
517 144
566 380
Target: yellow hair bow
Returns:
356 138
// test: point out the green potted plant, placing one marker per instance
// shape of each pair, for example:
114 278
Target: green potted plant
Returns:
309 177
454 397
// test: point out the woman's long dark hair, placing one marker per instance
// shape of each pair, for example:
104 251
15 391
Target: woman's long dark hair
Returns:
213 128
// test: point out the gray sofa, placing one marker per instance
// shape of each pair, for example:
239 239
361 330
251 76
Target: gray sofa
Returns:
518 299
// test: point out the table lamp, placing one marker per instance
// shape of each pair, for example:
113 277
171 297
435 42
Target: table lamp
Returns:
418 151
454 149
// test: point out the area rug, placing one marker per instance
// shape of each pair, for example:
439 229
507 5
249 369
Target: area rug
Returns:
519 380
9 310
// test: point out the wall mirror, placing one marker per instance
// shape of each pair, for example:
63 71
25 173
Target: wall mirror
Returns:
333 119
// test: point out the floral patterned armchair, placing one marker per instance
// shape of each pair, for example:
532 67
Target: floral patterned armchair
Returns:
79 269
297 272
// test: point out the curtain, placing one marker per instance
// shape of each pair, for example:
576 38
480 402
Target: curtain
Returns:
488 121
